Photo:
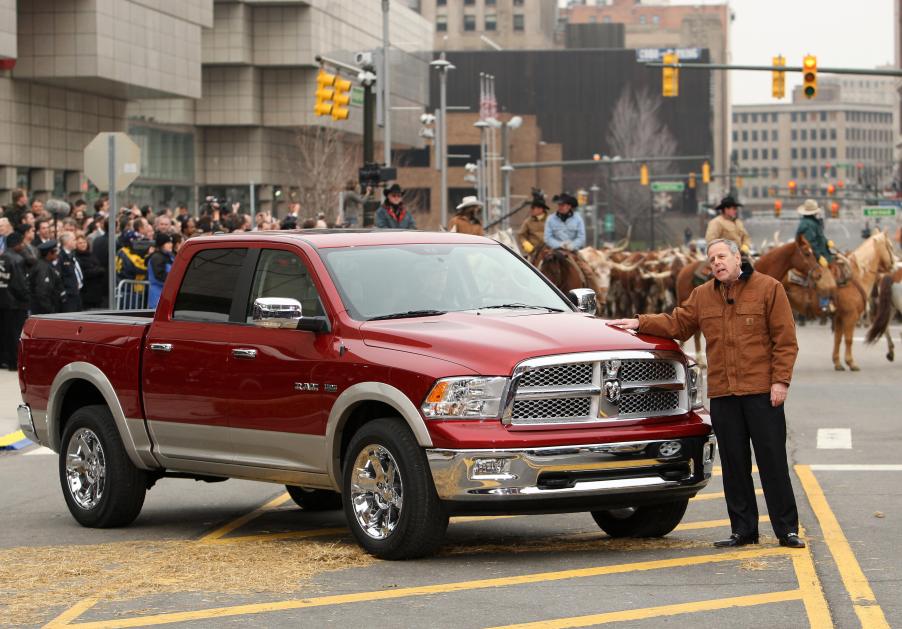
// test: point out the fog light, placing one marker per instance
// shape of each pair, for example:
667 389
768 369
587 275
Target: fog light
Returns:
496 469
669 449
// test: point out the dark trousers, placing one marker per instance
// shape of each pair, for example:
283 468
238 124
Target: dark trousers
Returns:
72 304
11 323
738 419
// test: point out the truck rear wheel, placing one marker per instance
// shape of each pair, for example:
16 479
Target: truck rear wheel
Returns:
388 494
646 521
102 487
314 499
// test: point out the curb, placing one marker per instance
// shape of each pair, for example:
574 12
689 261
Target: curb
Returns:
14 441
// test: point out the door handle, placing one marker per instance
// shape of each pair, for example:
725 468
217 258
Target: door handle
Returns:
244 353
161 347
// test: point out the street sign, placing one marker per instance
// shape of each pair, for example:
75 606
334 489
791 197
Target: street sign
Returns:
663 201
357 96
127 161
667 186
609 222
874 211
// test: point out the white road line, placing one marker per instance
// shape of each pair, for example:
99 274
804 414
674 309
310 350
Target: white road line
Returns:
834 438
41 450
851 467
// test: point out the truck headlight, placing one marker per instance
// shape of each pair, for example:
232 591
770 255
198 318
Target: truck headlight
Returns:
465 398
693 385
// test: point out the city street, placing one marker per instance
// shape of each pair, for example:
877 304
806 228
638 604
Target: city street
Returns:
203 555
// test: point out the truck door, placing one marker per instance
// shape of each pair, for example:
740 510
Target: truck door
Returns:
282 379
187 396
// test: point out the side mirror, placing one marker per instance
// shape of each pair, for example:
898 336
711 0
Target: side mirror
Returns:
584 299
276 312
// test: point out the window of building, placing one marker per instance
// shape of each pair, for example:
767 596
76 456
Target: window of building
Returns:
832 152
641 19
794 134
207 291
823 116
804 134
469 22
773 117
833 133
656 19
735 118
833 171
794 152
743 118
773 171
764 135
823 152
441 3
794 171
823 134
754 134
764 154
754 153
469 153
745 135
804 153
519 22
755 192
774 135
491 22
489 3
469 3
606 19
745 153
754 117
441 23
794 117
518 3
773 154
804 172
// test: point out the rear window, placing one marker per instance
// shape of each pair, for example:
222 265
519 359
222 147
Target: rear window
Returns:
209 285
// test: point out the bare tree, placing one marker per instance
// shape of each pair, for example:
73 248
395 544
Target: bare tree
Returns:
637 130
326 161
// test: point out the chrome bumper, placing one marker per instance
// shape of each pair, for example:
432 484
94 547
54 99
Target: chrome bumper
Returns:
26 422
572 471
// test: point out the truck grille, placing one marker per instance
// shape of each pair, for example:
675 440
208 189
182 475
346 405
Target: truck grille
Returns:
609 387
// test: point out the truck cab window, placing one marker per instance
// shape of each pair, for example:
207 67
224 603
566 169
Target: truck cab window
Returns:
209 285
283 274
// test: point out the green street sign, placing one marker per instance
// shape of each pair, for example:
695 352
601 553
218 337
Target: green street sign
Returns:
879 211
357 96
609 222
667 186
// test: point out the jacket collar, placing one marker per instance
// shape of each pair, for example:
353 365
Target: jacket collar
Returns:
745 272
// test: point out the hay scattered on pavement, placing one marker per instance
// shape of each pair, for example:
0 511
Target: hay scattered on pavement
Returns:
37 584
572 543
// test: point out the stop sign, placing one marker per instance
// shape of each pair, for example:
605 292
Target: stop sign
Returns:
126 157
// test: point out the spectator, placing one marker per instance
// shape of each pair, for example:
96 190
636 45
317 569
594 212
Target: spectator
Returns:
43 231
6 229
163 223
29 251
37 208
189 227
46 285
352 204
143 228
94 290
321 221
158 266
392 214
14 299
19 206
70 273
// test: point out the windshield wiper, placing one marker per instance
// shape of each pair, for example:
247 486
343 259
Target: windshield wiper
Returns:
521 305
408 314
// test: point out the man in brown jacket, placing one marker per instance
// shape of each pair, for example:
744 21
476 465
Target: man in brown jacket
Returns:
751 349
531 235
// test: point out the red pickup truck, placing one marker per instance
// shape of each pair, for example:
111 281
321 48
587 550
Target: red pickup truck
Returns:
402 376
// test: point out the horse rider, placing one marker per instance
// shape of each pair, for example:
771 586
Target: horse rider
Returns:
565 232
466 220
531 235
811 226
392 214
727 225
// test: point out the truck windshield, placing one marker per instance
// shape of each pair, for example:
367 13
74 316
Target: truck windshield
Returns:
379 282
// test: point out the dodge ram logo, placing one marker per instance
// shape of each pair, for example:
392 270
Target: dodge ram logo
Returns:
612 391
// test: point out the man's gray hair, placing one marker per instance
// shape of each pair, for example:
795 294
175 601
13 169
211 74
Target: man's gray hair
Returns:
734 248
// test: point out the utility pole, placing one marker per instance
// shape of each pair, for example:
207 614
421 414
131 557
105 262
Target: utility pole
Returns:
443 66
385 84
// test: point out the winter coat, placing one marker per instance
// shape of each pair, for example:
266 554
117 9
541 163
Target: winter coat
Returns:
15 293
158 266
394 218
723 227
813 231
95 288
46 288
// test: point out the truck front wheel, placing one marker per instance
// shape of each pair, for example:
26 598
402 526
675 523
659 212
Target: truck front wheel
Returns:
102 487
646 521
388 494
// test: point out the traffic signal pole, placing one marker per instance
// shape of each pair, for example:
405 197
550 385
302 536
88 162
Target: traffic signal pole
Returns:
369 122
732 66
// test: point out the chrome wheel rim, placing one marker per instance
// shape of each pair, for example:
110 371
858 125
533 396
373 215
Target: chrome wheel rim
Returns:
376 491
85 468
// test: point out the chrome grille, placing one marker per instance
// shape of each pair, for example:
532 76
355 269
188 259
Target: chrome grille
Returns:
550 410
647 371
652 403
558 375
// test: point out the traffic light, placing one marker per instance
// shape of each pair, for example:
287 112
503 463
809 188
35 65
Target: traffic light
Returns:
778 208
596 157
324 93
643 175
809 76
834 209
792 187
778 77
706 172
670 83
340 99
739 181
840 184
582 197
831 189
691 180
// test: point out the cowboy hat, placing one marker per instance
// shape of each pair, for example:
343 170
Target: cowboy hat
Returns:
726 202
469 202
539 202
808 208
565 197
394 188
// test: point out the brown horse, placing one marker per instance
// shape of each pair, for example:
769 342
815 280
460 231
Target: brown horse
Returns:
795 255
560 269
873 256
889 302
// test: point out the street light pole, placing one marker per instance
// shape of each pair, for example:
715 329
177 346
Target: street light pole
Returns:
443 65
386 87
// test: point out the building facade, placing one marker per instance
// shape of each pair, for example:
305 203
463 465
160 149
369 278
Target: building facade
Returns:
509 24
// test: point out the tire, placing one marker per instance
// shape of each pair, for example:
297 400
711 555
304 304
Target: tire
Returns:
646 521
102 487
388 494
314 499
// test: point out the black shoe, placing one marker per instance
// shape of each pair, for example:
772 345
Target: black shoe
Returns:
737 540
792 541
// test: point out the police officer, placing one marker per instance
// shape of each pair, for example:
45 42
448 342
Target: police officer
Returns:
14 299
46 284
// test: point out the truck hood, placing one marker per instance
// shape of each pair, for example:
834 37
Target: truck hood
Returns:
493 343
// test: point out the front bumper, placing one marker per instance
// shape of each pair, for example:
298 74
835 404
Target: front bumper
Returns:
621 473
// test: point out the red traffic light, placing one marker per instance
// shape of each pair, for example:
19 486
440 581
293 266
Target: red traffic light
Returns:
831 189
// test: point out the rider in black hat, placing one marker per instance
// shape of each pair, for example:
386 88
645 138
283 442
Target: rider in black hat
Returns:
531 235
392 214
727 225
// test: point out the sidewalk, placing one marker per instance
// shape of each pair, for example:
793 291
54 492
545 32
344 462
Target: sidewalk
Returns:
10 398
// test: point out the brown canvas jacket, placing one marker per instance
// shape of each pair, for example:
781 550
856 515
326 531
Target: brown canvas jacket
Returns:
533 231
751 343
723 227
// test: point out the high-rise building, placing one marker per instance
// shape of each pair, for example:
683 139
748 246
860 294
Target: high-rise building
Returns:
484 24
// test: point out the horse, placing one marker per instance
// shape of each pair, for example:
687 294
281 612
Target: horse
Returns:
560 269
777 262
889 303
872 257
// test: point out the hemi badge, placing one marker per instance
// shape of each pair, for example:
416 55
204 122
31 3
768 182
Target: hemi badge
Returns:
331 388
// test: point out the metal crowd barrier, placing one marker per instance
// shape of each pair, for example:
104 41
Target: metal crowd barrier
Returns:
132 294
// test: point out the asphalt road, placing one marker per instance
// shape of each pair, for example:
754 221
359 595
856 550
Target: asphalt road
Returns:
207 555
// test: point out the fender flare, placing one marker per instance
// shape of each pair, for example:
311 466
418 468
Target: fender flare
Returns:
136 442
369 392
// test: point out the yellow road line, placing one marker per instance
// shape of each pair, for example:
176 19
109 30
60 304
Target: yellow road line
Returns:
663 610
720 494
863 600
239 522
11 438
812 592
710 524
72 613
425 590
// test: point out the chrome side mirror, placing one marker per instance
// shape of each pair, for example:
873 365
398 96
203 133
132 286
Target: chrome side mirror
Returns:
276 312
584 299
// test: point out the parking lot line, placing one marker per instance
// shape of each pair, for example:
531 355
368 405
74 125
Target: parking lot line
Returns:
425 590
812 593
72 613
663 610
239 522
863 600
